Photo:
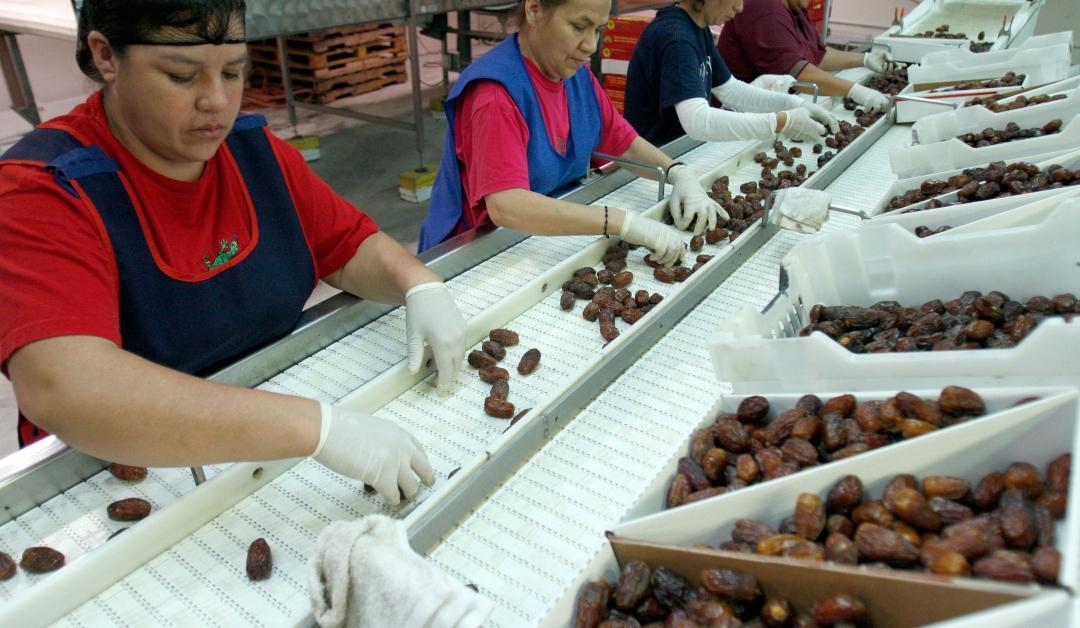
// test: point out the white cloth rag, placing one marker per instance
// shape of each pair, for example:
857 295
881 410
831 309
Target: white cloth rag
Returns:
774 82
365 575
800 209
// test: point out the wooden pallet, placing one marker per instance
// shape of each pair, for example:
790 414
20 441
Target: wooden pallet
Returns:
361 88
377 43
323 85
323 41
338 68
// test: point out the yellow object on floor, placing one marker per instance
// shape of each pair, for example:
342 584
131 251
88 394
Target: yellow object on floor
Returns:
308 145
415 185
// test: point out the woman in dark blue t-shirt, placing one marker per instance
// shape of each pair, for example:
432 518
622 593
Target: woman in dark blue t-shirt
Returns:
674 70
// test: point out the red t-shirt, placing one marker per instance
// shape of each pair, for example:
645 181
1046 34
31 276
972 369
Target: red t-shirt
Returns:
491 136
58 274
769 37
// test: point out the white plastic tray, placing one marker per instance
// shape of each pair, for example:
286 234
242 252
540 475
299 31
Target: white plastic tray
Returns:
1041 431
908 110
1041 65
951 154
881 208
997 400
762 352
950 124
983 216
964 56
964 16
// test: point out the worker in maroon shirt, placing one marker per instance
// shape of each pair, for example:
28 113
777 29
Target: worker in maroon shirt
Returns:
778 37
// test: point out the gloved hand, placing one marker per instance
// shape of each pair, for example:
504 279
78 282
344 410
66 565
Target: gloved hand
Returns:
373 450
689 203
801 127
666 244
872 101
432 317
774 82
878 61
365 574
822 116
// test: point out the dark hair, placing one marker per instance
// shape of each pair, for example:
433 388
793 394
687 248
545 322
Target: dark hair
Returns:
129 22
518 16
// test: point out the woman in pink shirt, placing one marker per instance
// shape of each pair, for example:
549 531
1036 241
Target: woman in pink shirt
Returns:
523 122
778 37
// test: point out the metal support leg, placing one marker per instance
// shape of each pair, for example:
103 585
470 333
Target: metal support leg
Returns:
418 100
464 42
286 81
445 54
825 22
198 475
11 63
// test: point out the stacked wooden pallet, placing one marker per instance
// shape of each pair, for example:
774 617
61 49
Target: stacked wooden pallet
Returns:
332 64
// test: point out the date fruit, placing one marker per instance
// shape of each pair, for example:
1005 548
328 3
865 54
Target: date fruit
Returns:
7 566
529 362
127 473
493 349
41 559
480 360
130 509
491 374
505 337
259 560
498 408
500 390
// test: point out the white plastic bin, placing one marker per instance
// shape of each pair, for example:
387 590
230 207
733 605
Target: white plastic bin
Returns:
950 124
762 352
964 56
983 216
1041 65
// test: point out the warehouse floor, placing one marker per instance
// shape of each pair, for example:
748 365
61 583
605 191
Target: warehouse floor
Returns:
360 161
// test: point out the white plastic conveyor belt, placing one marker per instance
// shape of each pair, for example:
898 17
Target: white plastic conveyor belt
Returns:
201 579
861 186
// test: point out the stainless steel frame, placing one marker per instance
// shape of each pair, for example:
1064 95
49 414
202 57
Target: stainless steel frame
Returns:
11 63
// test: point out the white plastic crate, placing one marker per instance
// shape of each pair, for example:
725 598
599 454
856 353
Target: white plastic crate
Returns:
881 208
914 103
1041 65
950 154
964 56
984 216
1037 432
762 352
964 16
950 124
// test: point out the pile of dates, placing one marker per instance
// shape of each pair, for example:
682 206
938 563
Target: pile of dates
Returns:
942 32
486 359
1009 79
981 46
848 133
972 321
1011 133
608 294
746 447
725 598
923 231
747 208
991 102
997 180
1002 527
890 83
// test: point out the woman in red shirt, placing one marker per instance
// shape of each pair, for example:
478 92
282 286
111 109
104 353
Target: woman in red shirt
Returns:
778 37
523 121
152 234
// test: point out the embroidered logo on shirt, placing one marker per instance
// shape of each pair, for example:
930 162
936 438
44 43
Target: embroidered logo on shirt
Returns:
226 251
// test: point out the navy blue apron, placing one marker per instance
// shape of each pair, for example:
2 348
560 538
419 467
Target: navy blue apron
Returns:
548 170
192 326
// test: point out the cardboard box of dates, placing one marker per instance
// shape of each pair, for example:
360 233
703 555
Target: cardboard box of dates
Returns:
877 305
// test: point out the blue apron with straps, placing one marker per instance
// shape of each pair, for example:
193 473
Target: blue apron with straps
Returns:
192 326
548 170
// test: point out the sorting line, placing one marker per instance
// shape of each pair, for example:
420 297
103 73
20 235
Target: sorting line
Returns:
595 469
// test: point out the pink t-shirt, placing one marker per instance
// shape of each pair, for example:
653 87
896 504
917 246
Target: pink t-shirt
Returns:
491 136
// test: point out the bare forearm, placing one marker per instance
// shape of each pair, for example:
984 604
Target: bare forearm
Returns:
381 270
828 84
529 212
117 406
835 60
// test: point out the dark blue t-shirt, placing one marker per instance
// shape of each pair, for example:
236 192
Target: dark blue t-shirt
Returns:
674 60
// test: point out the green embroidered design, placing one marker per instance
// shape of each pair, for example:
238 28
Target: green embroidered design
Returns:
227 250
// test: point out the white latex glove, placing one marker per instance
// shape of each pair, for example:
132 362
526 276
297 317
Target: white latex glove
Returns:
822 116
800 126
666 244
877 61
365 575
373 450
774 82
432 317
872 101
689 203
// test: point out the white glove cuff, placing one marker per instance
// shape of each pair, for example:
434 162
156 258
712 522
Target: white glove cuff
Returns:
628 217
424 286
327 414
